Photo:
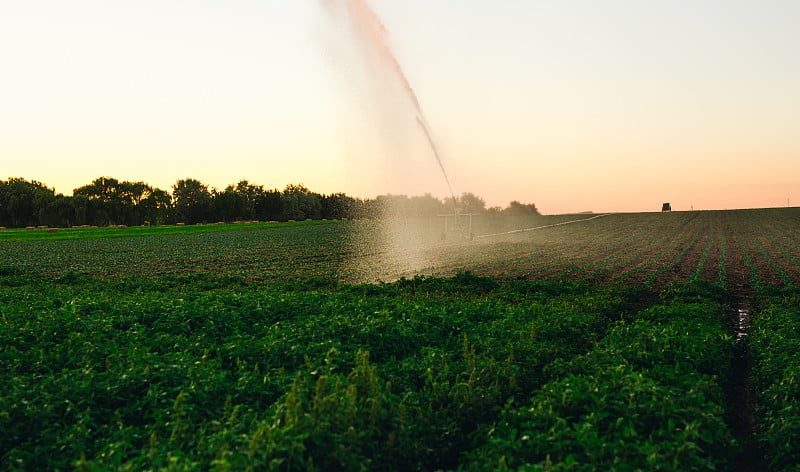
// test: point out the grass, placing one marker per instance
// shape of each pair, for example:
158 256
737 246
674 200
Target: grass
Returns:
23 235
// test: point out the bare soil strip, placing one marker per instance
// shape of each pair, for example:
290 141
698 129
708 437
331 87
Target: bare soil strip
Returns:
741 415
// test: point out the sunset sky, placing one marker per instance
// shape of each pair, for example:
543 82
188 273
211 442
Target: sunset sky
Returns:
574 105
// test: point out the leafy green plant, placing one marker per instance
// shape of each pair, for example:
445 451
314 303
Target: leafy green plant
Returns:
648 397
774 347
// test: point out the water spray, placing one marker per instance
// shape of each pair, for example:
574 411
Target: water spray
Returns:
432 143
372 35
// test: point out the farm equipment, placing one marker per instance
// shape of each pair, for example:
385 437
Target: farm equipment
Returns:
459 225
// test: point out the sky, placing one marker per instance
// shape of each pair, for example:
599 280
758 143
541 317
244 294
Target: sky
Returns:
574 105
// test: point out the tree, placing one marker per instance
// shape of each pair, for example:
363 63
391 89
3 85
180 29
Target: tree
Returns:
58 212
102 207
112 201
23 203
155 206
107 201
269 205
228 205
427 205
516 208
192 201
249 195
337 206
471 203
132 193
102 188
299 203
392 206
80 205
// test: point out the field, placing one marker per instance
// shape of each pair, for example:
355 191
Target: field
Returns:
653 341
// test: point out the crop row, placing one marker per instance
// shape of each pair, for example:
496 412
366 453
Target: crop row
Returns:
306 374
125 353
775 350
205 373
766 260
603 254
650 396
738 249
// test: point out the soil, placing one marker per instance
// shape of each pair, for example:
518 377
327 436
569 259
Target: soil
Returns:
741 416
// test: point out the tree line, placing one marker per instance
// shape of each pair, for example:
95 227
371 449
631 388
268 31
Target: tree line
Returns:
107 201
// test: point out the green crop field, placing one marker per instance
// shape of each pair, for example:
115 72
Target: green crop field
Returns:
653 341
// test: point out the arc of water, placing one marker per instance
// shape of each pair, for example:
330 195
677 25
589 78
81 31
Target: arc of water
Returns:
371 33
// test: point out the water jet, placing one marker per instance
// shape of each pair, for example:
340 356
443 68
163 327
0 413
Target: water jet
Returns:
371 35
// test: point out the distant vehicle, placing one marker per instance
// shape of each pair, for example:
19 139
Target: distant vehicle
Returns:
666 207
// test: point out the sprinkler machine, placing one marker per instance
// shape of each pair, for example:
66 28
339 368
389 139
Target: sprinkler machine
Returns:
459 225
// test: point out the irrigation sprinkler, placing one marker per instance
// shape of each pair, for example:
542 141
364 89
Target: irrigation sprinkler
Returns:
459 224
524 230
